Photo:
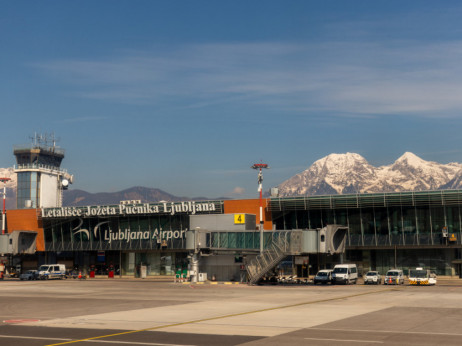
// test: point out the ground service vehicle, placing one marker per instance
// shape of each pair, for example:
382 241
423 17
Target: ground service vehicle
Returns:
394 277
420 276
323 277
345 273
52 271
372 277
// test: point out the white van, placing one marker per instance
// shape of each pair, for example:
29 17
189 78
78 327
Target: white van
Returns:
345 273
52 271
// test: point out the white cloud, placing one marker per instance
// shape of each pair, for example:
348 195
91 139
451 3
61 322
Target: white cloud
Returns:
238 191
338 77
81 119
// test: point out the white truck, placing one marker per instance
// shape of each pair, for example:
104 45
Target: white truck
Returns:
345 273
420 276
52 271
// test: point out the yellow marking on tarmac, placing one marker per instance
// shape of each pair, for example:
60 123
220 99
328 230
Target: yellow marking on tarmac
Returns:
230 315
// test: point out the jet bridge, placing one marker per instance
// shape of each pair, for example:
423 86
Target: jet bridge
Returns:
221 239
18 242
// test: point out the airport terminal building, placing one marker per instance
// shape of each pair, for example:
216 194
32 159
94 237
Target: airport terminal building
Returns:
401 230
384 230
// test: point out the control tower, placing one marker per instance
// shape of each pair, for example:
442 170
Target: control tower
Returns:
41 180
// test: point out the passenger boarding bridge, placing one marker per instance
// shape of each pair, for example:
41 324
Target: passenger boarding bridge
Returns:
277 246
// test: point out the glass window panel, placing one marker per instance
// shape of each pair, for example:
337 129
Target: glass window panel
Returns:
315 219
249 240
223 239
423 219
409 220
240 240
453 218
396 223
341 217
232 240
367 218
302 219
437 216
354 221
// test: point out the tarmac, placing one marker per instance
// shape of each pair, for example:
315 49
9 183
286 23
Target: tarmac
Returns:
152 312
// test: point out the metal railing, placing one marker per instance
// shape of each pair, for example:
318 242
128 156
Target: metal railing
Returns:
282 244
406 239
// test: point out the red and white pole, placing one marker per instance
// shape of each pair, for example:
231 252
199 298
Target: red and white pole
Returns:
4 180
260 188
259 166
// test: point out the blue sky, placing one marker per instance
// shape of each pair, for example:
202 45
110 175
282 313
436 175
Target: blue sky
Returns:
185 96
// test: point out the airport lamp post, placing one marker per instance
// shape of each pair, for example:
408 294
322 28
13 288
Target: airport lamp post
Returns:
260 166
4 180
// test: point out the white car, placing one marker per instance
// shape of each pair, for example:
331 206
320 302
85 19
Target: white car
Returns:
323 276
372 277
29 275
394 277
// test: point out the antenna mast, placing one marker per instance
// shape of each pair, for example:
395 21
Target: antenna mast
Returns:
4 180
260 166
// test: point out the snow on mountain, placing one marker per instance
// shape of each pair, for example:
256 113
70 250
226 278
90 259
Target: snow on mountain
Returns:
411 173
8 173
351 173
10 186
453 184
335 173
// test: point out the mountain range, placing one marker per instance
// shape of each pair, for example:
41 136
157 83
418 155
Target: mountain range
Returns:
351 173
333 174
144 194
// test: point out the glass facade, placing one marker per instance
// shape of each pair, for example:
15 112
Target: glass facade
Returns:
117 233
402 230
377 220
386 230
28 189
137 239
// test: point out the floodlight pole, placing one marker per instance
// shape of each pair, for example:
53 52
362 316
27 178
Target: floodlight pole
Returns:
260 166
4 180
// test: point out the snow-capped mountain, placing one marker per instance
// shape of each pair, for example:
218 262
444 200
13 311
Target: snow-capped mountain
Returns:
10 186
351 173
454 183
8 173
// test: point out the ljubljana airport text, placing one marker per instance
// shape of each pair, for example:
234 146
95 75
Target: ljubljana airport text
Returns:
171 208
128 235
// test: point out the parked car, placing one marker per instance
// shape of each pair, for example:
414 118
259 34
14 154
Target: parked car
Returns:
323 277
394 277
29 275
345 273
372 277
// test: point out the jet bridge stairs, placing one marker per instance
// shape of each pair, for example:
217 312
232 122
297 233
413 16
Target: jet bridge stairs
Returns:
283 244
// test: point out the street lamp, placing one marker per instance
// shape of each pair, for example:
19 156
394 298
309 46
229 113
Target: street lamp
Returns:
260 166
